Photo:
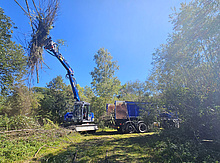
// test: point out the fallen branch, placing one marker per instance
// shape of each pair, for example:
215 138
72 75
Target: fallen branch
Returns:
39 150
74 158
69 139
12 131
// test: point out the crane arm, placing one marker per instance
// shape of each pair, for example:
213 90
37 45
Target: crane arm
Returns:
51 47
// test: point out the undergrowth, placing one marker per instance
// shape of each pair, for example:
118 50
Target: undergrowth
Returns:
17 122
173 145
50 143
27 144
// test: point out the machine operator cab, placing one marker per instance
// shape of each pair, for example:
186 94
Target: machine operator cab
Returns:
80 114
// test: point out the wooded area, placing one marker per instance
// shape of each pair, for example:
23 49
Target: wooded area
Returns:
185 79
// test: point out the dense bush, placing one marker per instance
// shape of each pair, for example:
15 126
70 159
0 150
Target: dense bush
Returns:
184 145
17 122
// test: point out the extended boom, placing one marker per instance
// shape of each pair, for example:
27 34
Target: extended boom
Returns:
80 118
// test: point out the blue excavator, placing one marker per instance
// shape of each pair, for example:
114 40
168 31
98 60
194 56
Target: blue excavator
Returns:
79 118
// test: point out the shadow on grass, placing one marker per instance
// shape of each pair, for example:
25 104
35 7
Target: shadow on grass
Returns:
109 146
107 133
106 146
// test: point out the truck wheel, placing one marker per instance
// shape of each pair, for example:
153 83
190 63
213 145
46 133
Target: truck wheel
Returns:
142 127
130 128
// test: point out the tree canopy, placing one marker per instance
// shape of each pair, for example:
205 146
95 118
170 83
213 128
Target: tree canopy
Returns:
13 61
186 68
104 82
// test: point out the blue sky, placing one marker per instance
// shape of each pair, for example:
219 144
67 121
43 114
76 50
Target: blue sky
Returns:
131 30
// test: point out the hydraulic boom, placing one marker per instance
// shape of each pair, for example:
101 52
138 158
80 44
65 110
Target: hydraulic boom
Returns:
51 48
80 118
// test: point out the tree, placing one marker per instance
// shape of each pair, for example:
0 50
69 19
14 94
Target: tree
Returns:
104 83
134 91
186 69
55 100
13 61
57 84
19 102
86 93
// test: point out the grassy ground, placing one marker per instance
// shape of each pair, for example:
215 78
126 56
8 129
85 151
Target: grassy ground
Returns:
58 145
55 145
104 146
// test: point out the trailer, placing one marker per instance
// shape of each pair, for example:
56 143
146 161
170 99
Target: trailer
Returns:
125 116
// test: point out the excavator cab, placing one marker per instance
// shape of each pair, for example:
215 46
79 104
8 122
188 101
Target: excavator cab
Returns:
80 114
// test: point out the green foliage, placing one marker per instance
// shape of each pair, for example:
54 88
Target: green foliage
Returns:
17 149
48 124
86 94
13 62
169 146
107 146
190 57
186 69
57 84
19 102
17 122
104 83
98 106
54 100
22 146
134 91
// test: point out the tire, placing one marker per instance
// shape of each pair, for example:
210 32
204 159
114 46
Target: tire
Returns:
130 128
142 127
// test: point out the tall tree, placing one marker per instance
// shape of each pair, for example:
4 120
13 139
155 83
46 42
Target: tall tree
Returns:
55 99
57 84
186 69
86 93
104 82
13 62
134 91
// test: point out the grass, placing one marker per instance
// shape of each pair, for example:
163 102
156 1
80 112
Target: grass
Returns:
56 146
104 146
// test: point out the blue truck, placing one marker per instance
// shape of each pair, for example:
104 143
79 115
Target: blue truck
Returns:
126 115
79 118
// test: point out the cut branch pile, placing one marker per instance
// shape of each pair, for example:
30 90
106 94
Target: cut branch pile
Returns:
41 17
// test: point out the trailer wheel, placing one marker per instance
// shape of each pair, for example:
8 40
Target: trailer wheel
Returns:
130 128
142 127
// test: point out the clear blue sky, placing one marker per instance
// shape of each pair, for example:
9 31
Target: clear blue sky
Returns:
131 30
